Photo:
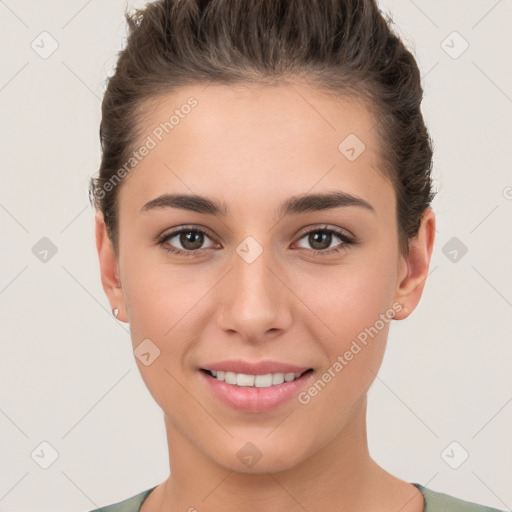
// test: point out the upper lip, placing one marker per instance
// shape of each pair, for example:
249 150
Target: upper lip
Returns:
259 368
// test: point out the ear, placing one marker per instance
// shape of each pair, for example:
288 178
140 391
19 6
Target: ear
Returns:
414 266
109 268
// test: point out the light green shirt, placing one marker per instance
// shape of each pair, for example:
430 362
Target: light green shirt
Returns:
434 502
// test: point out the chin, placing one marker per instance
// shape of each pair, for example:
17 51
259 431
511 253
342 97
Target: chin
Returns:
258 456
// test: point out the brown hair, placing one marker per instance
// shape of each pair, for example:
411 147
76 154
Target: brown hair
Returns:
342 46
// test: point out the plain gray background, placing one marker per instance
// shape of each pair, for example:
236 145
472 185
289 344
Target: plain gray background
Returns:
67 372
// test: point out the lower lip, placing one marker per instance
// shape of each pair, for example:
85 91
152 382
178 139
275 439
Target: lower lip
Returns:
253 399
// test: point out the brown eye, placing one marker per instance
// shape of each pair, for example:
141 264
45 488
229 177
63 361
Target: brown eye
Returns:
185 241
191 240
320 240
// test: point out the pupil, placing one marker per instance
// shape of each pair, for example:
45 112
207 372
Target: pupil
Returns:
191 240
321 238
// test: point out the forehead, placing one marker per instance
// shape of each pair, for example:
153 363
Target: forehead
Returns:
288 112
249 138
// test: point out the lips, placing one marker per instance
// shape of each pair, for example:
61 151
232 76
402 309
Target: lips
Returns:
259 368
242 393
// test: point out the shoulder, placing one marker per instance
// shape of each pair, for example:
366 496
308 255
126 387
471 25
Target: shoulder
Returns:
440 502
132 504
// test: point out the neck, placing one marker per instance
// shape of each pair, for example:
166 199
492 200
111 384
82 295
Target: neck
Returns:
341 476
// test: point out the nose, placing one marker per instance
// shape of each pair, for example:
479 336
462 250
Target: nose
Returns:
254 301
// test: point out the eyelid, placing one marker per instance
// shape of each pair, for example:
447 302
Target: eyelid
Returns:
180 229
342 232
173 232
346 239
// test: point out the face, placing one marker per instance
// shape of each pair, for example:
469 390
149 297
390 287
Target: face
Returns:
252 276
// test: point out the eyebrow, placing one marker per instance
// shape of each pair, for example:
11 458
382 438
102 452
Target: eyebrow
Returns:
294 205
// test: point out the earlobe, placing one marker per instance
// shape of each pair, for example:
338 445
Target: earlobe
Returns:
109 267
417 261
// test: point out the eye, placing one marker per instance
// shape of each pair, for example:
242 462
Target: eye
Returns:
189 241
185 241
320 240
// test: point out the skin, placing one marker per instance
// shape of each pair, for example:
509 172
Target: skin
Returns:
253 147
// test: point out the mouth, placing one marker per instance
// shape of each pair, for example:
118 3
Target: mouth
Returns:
255 392
257 381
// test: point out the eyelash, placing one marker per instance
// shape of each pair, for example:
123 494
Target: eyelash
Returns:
346 241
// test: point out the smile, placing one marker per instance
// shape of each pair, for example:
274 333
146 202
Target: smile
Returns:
255 393
258 381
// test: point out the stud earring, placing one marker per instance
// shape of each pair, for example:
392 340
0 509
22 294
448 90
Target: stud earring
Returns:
115 312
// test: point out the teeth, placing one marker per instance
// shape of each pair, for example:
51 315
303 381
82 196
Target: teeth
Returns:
258 381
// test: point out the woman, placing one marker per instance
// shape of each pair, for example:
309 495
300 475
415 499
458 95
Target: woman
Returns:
263 215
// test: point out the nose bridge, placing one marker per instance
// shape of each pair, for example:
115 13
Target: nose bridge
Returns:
253 299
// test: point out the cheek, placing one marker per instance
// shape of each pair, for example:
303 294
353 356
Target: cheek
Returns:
339 301
349 297
357 310
161 296
352 308
163 304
